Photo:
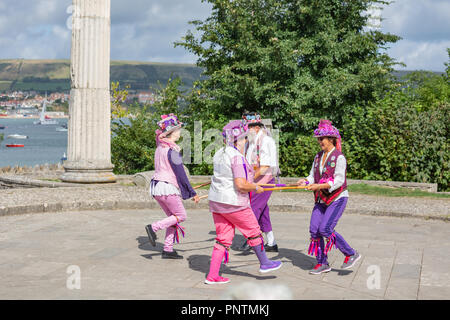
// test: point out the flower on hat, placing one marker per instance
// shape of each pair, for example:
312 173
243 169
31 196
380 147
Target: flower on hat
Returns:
169 122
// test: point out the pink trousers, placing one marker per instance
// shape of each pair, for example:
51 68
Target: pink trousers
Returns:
244 220
226 223
174 209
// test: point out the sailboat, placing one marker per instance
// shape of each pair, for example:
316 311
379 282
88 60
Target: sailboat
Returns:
45 120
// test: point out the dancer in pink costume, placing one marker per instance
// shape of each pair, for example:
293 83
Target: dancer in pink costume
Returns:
329 182
229 202
169 186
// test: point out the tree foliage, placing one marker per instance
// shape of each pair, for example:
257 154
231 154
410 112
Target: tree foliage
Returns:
294 61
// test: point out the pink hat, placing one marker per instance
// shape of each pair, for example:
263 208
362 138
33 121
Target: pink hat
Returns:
326 129
234 130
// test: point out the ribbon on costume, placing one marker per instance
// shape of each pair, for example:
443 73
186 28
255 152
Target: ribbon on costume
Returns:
227 255
181 229
314 247
331 241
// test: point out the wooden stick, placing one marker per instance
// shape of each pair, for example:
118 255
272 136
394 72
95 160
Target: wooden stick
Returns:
277 185
202 185
203 197
284 188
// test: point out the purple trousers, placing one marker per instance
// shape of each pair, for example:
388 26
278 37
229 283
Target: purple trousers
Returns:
261 208
323 221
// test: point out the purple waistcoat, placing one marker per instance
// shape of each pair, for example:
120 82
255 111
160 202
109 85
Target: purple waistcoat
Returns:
329 167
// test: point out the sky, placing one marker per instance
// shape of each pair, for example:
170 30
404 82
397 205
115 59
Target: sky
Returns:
145 30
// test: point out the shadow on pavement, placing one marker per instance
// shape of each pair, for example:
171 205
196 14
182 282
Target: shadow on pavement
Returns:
200 263
144 244
297 258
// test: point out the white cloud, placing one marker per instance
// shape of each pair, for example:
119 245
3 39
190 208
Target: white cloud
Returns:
145 30
421 55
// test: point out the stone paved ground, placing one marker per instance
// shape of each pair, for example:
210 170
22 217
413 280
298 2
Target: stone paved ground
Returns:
117 262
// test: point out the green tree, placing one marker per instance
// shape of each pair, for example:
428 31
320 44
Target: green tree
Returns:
294 61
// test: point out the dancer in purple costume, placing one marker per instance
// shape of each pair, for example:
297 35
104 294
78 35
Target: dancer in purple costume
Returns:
328 180
262 155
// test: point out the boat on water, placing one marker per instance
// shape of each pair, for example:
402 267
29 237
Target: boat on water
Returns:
17 136
15 145
43 119
2 127
62 128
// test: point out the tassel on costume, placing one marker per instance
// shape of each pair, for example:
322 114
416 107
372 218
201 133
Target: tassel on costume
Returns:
177 238
314 247
331 241
258 236
227 255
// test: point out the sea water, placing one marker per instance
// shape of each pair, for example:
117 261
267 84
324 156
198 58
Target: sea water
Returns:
44 143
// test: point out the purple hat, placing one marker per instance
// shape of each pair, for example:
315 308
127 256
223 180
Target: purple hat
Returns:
326 129
234 130
168 123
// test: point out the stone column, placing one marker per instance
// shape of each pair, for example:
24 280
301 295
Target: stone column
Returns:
89 134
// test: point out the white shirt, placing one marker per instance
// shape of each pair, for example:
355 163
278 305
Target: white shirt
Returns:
339 174
267 152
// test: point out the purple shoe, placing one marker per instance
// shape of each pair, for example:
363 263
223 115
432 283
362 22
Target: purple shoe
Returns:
275 265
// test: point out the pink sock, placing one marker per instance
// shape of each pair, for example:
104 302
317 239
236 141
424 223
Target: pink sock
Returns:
216 261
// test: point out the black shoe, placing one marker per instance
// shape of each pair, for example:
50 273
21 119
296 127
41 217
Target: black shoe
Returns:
171 255
273 248
151 234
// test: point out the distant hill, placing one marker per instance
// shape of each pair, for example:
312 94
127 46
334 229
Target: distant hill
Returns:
54 75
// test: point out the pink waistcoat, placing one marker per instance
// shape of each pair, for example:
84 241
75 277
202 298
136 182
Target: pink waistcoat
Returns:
163 170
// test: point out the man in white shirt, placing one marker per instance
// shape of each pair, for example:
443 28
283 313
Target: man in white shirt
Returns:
262 155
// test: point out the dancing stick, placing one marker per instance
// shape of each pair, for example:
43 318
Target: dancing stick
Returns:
203 197
277 185
202 185
284 188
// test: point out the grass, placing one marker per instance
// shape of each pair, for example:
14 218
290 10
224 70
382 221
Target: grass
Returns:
375 191
393 192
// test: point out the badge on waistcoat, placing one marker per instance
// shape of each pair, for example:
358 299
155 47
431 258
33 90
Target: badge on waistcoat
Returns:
332 158
333 164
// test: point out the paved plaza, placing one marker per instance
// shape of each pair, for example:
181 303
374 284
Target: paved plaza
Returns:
41 256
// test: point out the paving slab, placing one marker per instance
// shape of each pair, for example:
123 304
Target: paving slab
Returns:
116 261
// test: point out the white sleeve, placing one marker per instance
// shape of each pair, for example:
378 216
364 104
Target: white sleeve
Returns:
339 173
268 153
310 178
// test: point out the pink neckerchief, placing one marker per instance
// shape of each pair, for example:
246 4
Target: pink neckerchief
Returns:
165 142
